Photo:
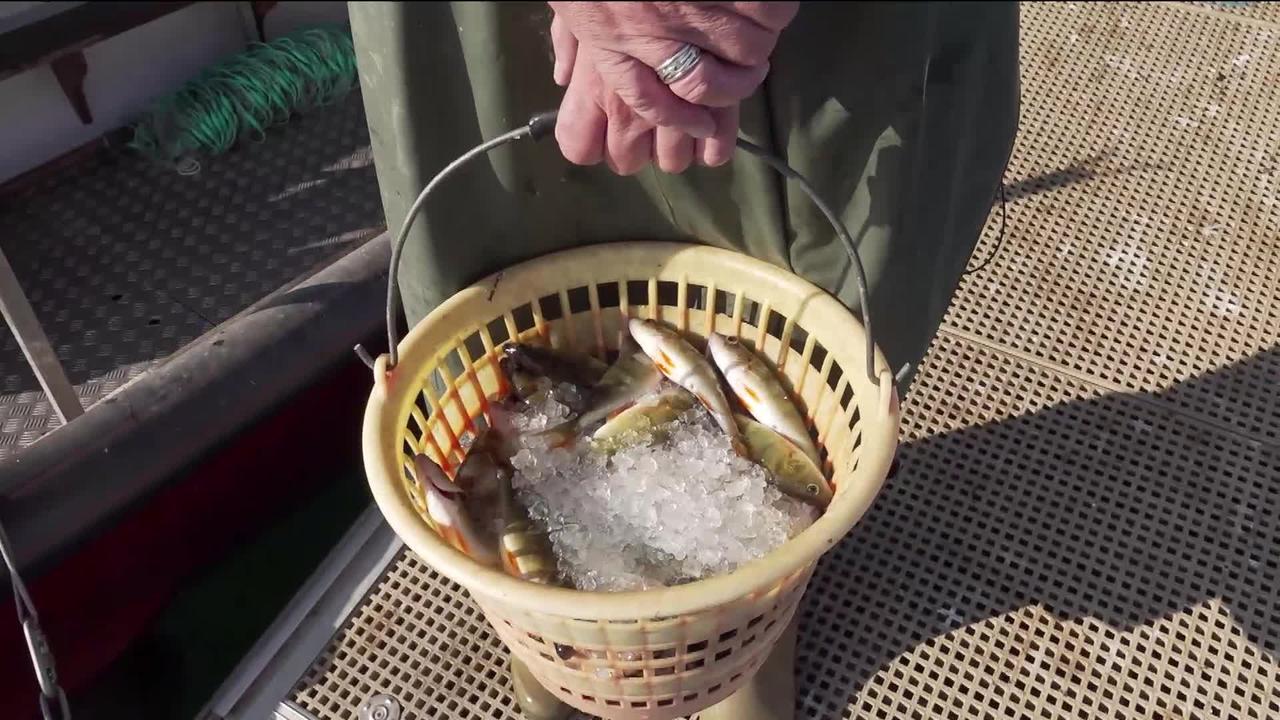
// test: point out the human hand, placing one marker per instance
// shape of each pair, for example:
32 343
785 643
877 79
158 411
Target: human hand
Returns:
595 125
626 41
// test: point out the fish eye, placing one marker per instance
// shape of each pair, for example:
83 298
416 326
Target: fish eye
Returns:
812 489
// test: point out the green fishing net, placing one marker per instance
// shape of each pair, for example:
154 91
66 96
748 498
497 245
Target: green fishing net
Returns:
247 93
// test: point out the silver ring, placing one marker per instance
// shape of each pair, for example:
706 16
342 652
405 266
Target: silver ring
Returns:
680 64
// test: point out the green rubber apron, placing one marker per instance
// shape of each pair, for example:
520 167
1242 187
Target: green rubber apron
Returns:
902 116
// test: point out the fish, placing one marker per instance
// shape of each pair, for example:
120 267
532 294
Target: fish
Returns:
530 389
792 471
576 369
643 421
760 391
526 551
684 366
632 376
444 506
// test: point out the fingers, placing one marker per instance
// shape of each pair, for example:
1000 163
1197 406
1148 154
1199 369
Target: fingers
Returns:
629 139
673 150
581 125
718 150
566 50
640 88
712 83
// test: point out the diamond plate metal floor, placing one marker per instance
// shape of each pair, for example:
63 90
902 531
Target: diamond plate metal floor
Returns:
1086 520
125 261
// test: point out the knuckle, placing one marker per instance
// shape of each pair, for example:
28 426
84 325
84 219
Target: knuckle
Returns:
695 87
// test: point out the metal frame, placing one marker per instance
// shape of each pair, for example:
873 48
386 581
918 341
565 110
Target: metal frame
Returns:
21 318
258 687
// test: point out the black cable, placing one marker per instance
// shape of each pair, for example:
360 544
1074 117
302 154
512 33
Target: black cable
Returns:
999 238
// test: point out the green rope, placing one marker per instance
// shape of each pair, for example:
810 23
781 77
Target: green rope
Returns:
248 93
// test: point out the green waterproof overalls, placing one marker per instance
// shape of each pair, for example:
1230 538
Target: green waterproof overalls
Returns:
901 115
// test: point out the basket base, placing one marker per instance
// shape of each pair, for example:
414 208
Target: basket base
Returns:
536 702
770 694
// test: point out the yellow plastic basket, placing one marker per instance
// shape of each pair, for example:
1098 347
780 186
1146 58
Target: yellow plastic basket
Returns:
662 653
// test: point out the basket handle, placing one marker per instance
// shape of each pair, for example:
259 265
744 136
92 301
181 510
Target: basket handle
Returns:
539 127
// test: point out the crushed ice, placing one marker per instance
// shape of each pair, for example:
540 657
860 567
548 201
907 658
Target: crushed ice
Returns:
650 516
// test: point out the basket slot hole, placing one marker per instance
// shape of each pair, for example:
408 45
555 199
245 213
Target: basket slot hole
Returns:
714 689
474 345
798 338
751 313
755 621
735 678
589 698
833 377
724 654
607 293
818 357
853 419
777 323
454 364
845 398
665 670
770 625
637 292
579 300
724 303
523 316
694 664
728 635
498 331
750 639
697 296
550 306
697 647
668 293
639 704
690 697
666 702
613 703
664 653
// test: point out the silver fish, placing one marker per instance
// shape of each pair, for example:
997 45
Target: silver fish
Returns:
643 421
684 366
760 391
792 471
451 520
632 376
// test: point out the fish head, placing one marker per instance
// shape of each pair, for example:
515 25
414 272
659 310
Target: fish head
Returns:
727 353
653 339
433 479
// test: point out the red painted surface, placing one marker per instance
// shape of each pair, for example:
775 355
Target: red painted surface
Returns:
98 600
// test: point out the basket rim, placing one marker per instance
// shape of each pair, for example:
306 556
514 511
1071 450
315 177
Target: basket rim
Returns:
667 602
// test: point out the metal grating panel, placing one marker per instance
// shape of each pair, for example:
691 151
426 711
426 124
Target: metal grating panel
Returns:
1086 518
420 639
125 261
1144 207
1268 12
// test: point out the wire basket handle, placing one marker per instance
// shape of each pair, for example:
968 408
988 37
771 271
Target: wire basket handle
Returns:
539 127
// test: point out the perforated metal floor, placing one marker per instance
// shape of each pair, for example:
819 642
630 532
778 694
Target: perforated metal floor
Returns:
1086 520
125 261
